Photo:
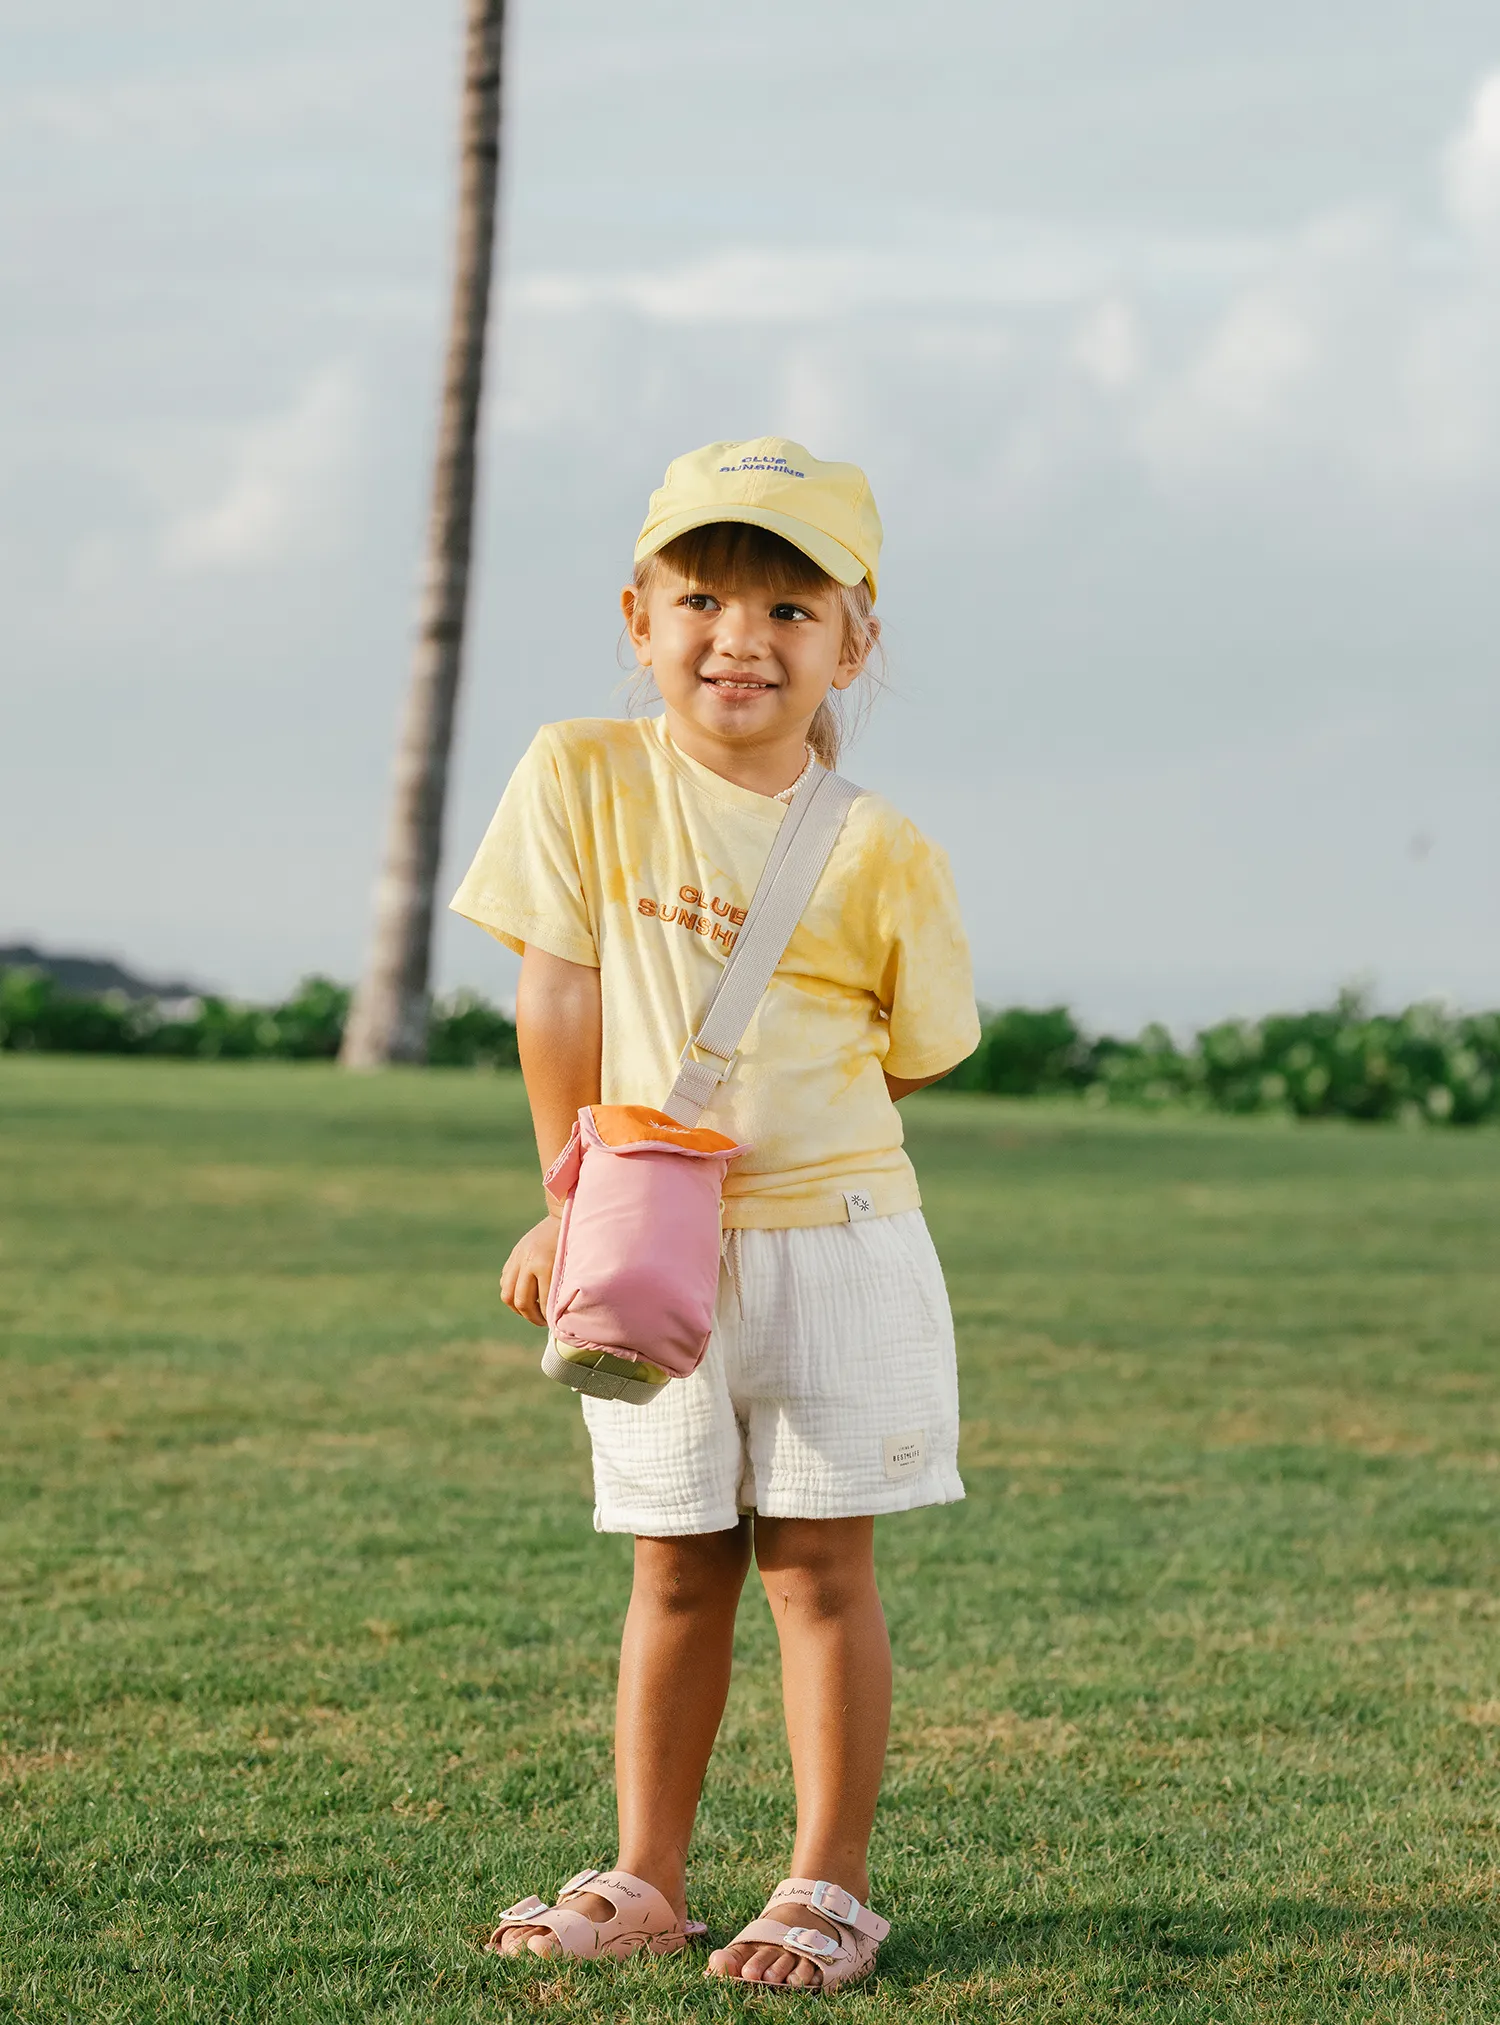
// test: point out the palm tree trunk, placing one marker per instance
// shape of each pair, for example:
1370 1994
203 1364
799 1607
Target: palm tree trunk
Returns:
388 1019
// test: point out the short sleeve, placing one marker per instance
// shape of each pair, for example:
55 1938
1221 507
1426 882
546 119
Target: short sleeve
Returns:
524 885
928 984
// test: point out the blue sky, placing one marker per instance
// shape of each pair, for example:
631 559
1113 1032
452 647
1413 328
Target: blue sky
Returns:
1170 337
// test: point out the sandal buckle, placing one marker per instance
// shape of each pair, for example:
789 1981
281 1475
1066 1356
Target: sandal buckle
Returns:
577 1883
525 1909
849 1917
812 1941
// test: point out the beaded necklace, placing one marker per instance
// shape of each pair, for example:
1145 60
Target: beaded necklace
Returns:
787 792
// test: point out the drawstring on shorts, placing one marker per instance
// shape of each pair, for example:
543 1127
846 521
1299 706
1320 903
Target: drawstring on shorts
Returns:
729 1252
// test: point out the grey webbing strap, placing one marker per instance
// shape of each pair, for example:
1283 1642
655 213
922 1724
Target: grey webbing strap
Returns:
809 830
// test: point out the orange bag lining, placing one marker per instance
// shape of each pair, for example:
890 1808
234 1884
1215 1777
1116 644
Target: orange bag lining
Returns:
638 1124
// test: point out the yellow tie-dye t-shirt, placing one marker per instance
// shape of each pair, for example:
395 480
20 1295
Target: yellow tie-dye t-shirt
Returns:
611 848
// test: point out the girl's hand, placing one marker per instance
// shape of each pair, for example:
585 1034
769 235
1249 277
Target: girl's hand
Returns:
527 1277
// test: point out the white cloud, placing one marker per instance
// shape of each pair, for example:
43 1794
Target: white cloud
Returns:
1261 352
1471 163
187 108
1356 358
1107 346
982 264
287 494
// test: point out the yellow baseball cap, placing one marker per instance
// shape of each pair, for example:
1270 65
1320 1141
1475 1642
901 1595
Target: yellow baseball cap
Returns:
826 510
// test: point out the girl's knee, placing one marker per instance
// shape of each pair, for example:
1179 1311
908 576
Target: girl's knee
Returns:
817 1567
700 1571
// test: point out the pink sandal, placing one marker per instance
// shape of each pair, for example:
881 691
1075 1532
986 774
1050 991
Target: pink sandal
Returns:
643 1919
845 1960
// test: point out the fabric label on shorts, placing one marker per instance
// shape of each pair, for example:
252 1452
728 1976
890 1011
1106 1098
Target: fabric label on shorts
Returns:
905 1454
858 1204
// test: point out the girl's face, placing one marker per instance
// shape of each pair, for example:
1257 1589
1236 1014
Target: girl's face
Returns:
746 668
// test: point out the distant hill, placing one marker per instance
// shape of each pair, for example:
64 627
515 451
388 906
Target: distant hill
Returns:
94 975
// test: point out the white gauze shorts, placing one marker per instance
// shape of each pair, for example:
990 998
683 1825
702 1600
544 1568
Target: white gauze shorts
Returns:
828 1390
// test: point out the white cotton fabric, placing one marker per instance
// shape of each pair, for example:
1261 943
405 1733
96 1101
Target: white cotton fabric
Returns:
828 1390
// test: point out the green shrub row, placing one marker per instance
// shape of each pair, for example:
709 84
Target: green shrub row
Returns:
35 1012
1344 1061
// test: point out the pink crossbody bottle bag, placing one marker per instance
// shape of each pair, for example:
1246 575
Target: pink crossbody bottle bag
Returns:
631 1304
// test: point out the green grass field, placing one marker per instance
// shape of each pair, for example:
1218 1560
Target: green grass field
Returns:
309 1645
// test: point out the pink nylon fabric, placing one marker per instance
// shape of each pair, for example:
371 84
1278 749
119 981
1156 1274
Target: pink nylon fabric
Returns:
637 1266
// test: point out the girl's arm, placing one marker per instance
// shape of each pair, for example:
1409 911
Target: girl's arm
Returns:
902 1086
560 1027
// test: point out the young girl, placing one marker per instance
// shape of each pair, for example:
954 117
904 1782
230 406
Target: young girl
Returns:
619 864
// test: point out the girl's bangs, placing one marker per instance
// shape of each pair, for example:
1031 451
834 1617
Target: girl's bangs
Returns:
734 556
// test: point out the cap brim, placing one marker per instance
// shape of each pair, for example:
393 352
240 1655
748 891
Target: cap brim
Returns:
841 563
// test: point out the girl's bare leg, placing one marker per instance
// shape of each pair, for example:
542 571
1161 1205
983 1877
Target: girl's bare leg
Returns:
674 1676
819 1576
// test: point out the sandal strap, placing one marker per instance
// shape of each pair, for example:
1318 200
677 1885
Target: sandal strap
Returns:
814 1943
771 1932
636 1903
809 1941
579 1936
641 1915
843 1960
523 1912
833 1902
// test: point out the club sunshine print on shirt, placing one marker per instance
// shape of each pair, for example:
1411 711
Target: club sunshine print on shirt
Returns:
613 849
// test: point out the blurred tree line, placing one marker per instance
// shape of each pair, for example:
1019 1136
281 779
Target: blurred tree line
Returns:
463 1031
1342 1061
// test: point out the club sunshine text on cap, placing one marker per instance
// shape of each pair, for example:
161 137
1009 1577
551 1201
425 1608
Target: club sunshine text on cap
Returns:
826 510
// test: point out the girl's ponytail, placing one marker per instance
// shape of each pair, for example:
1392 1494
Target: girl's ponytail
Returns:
823 735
